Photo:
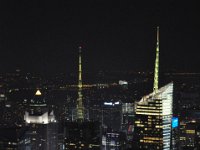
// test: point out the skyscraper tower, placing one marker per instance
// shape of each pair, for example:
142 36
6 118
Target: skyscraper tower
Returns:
81 133
41 126
156 71
154 114
80 109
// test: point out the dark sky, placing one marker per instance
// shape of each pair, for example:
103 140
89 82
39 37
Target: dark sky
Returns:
44 36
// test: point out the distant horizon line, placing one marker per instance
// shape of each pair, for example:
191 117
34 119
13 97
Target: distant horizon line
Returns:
106 70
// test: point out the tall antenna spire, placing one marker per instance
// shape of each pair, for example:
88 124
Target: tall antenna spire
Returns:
80 114
156 71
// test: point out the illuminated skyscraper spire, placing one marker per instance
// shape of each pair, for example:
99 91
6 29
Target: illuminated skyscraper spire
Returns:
156 71
80 109
155 110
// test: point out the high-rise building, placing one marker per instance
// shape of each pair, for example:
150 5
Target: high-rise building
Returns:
153 119
189 132
40 131
38 111
81 133
127 124
113 141
112 115
153 114
80 113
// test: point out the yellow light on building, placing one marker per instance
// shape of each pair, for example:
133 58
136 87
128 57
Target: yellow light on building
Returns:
38 93
190 131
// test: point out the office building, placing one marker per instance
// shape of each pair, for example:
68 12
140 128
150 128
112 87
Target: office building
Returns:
153 119
153 114
40 131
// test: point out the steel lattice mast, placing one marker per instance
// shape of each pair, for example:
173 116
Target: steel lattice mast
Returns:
80 109
156 71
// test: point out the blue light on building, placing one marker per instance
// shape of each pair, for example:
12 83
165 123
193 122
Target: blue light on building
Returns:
174 122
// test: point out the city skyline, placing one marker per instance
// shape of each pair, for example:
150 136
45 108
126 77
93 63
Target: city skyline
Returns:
44 37
99 75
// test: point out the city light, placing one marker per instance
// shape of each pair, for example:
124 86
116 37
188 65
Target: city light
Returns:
111 103
99 75
174 122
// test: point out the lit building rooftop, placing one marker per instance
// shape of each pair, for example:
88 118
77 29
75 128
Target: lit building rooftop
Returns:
38 93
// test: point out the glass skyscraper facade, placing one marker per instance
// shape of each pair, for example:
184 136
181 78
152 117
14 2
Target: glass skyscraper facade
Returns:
153 119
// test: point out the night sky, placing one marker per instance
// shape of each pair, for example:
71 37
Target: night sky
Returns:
44 36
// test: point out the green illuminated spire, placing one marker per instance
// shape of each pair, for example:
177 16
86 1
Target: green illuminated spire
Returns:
80 115
156 71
